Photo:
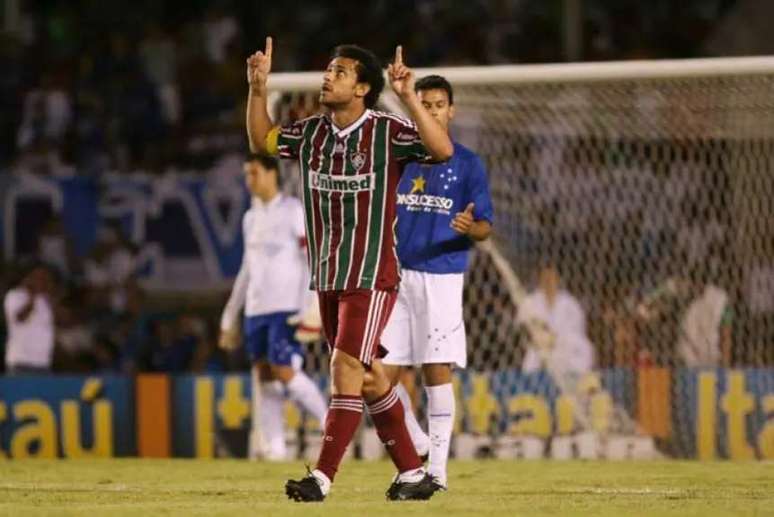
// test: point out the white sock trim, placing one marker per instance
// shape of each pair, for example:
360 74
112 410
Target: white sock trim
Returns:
322 480
412 476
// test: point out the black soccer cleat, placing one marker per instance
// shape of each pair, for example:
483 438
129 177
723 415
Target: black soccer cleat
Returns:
421 490
438 486
304 490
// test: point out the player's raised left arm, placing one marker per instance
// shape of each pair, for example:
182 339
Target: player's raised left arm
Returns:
433 135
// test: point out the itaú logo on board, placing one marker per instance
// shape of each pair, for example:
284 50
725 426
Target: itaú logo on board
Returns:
358 183
425 201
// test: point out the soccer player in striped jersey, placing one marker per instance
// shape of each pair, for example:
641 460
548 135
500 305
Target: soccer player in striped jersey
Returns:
272 287
351 159
443 207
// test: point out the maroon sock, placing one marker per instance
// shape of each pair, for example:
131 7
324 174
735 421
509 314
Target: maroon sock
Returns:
343 417
388 417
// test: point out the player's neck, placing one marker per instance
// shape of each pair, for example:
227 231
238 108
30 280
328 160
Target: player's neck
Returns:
267 197
550 295
345 116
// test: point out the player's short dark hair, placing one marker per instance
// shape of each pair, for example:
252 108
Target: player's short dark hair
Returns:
268 162
435 82
369 70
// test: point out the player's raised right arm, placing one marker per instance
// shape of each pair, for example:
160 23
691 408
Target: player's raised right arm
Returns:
258 121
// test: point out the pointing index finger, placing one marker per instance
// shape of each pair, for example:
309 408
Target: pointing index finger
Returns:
399 55
268 49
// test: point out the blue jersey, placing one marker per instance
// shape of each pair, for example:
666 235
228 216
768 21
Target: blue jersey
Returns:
429 196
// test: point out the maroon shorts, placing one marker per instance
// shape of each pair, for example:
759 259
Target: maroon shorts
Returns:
353 320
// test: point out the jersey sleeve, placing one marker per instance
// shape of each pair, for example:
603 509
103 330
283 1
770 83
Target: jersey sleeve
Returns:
406 144
15 299
288 139
478 191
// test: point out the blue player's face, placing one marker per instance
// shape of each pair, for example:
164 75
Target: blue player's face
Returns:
436 101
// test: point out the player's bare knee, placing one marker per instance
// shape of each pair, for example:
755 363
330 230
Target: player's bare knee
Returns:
347 374
370 386
437 374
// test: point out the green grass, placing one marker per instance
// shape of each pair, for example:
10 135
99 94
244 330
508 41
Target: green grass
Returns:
231 487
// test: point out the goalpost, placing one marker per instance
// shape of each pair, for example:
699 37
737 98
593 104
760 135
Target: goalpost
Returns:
649 184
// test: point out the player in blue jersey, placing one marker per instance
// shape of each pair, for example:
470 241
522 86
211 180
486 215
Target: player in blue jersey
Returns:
443 208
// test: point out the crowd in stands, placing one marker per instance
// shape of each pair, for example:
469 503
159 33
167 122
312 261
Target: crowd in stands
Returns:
92 315
92 86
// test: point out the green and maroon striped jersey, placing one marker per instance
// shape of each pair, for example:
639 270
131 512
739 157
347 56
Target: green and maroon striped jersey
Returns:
350 178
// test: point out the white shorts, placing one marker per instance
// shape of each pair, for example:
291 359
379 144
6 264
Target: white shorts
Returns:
426 325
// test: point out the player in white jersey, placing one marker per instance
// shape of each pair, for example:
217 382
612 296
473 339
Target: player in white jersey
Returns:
273 288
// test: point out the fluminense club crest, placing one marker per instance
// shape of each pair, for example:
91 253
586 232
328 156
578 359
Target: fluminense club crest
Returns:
358 160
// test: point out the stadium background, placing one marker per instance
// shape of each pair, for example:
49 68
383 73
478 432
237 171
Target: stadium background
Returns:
123 146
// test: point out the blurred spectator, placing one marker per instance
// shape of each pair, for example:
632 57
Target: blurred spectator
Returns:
219 30
29 315
108 269
158 53
47 115
172 344
556 325
55 248
74 338
705 328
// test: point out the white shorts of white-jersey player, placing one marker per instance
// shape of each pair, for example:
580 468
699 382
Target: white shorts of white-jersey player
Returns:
272 291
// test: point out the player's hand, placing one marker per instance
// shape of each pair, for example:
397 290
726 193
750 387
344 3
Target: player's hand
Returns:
541 337
259 66
401 76
229 339
308 323
463 221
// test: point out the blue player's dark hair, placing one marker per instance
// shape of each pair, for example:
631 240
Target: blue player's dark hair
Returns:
435 82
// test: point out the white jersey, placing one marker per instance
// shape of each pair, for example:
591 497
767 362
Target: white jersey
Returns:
699 344
30 342
565 318
274 274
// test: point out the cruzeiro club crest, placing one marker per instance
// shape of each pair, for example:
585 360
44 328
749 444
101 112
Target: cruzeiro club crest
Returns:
358 159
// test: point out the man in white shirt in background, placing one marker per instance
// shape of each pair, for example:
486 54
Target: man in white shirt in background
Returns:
273 287
556 326
29 317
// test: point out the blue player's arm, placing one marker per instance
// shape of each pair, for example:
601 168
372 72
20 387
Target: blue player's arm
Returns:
464 224
475 220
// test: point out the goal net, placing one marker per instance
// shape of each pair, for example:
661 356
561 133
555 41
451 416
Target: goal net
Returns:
647 187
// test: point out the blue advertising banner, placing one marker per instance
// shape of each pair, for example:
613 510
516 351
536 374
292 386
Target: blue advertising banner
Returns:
69 417
711 414
180 224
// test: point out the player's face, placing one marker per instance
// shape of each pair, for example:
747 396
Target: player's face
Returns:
258 180
340 86
437 103
549 279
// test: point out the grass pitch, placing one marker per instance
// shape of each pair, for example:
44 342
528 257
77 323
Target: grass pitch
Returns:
231 487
